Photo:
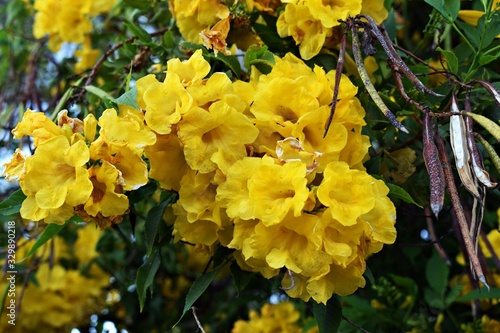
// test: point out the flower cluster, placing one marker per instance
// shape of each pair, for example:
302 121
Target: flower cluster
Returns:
248 160
70 22
281 317
62 297
254 172
72 172
311 23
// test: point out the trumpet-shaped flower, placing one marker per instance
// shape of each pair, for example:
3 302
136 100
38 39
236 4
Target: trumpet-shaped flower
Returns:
347 192
257 188
195 15
165 103
215 139
56 180
106 198
307 31
37 125
167 162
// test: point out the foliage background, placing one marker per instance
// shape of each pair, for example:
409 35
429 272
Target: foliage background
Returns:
410 288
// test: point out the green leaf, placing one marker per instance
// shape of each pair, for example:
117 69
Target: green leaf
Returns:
397 192
486 59
145 277
197 289
241 278
481 293
153 218
99 93
491 28
328 316
260 57
472 33
50 231
448 8
451 60
138 32
230 61
129 98
12 204
436 273
168 39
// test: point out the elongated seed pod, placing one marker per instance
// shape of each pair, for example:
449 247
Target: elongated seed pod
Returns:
369 85
393 55
492 90
459 212
475 157
490 150
460 149
487 124
433 166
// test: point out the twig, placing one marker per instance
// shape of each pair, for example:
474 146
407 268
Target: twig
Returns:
97 66
458 209
336 87
354 324
193 309
368 84
435 241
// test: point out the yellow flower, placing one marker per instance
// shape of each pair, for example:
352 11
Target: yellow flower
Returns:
167 162
195 15
124 131
16 167
190 71
307 31
165 103
330 11
87 56
375 9
257 188
37 125
347 192
281 317
56 180
199 216
107 197
215 139
472 16
490 325
69 295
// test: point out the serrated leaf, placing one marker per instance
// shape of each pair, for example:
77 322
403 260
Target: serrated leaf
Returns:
145 277
397 192
138 32
197 289
48 233
436 273
99 93
451 60
153 218
129 98
328 316
241 278
12 204
481 293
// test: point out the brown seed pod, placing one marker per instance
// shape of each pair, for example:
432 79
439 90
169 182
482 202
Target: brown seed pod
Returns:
433 165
